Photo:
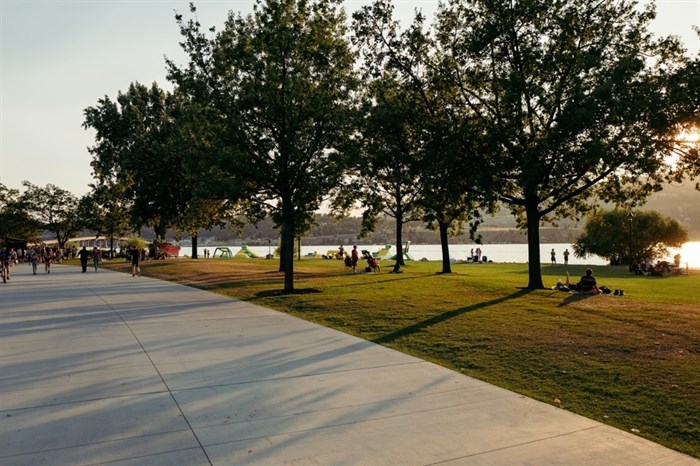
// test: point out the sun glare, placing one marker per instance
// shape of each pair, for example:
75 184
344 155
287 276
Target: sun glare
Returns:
689 137
690 254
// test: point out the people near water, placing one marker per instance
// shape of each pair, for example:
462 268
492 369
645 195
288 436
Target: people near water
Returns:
475 256
372 263
553 256
566 256
354 257
341 252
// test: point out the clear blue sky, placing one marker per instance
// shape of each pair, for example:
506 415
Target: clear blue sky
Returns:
60 57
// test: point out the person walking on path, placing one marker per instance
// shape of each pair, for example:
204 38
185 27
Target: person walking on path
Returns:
96 257
48 254
33 259
135 262
84 255
5 264
554 257
566 257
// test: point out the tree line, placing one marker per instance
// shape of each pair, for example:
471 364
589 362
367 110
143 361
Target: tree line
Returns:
546 108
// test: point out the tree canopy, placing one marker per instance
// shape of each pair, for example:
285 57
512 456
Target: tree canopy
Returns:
279 81
574 97
547 107
54 209
15 221
629 236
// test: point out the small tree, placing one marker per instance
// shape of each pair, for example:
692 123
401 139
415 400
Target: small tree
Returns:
55 209
106 211
14 220
623 237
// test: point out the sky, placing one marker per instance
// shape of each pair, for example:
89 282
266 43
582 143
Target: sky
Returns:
59 57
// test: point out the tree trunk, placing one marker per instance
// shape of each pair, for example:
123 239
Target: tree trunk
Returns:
159 231
287 238
283 250
444 243
399 241
194 247
533 246
288 254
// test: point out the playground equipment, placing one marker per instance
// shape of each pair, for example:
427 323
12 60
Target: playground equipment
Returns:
246 253
382 253
224 253
406 255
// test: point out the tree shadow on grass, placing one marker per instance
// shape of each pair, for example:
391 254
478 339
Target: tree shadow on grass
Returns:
574 298
411 329
278 293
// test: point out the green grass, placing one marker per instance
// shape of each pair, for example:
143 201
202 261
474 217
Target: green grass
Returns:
632 362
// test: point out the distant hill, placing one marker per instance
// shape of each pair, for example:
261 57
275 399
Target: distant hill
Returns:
681 202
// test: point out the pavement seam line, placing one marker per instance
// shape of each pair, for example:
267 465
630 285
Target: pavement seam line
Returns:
564 434
155 367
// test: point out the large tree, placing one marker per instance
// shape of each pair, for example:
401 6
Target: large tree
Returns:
437 144
386 179
575 96
132 154
628 236
148 160
279 82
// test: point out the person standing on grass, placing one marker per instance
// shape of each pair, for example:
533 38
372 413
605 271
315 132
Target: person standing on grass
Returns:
354 257
566 257
84 255
96 257
554 257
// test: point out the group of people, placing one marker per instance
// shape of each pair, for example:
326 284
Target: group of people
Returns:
586 284
475 255
9 257
553 256
47 255
661 268
84 255
351 260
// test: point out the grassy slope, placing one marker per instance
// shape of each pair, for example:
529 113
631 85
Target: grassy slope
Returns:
632 362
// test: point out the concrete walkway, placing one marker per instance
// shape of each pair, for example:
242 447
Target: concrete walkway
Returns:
105 368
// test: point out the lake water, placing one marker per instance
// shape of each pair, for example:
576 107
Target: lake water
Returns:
517 253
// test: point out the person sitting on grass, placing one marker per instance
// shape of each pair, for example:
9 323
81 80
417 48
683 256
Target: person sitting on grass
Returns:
588 283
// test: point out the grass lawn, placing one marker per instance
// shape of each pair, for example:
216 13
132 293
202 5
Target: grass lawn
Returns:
632 361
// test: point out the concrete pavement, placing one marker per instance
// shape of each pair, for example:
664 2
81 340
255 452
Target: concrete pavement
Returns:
105 368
